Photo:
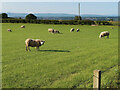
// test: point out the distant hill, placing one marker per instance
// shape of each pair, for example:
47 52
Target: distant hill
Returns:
95 15
54 15
63 16
41 15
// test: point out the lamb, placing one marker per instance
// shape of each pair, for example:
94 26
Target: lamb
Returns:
105 33
51 30
23 26
9 30
56 31
78 30
33 43
72 29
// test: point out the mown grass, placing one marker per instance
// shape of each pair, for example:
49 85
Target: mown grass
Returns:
64 60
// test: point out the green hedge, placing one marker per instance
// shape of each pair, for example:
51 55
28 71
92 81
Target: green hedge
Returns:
67 22
103 23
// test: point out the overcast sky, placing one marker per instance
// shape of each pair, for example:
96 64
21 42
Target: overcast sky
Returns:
99 8
60 0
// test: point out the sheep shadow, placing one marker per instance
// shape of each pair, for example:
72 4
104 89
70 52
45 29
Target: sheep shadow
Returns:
58 33
54 51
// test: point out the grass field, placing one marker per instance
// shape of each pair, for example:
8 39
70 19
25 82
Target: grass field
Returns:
64 60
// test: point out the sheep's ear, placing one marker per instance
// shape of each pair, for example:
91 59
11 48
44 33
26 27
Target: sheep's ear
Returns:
39 43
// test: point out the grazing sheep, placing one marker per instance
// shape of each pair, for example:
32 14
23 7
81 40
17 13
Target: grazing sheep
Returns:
94 25
51 30
33 43
9 30
72 29
56 31
78 30
23 26
105 33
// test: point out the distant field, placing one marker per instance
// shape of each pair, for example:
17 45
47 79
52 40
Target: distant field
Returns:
63 61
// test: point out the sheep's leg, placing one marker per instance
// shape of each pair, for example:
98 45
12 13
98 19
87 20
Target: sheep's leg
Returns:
29 48
37 48
107 36
26 48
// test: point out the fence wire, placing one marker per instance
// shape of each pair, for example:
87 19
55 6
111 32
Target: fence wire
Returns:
110 82
105 86
81 83
109 68
75 86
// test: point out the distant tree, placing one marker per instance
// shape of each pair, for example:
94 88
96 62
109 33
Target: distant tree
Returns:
110 19
30 16
77 18
3 15
20 18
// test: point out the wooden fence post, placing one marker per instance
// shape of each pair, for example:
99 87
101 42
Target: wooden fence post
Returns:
96 80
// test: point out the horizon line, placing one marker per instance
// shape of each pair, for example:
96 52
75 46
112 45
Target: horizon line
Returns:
59 13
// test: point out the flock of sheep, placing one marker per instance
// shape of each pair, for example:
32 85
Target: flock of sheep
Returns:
37 42
9 30
53 31
56 31
72 29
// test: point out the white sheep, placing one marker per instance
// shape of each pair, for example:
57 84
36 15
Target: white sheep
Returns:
72 29
51 30
33 43
9 30
103 34
56 31
78 30
23 26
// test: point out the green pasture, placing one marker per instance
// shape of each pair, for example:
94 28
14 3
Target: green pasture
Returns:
64 61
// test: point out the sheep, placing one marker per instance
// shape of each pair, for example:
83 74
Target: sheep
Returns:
78 30
94 25
51 30
9 30
23 26
72 29
56 31
33 43
105 33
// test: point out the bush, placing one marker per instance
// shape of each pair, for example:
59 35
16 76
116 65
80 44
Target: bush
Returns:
3 15
30 17
66 22
103 23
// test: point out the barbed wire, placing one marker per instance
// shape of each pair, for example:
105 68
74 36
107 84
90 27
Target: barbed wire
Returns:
75 86
106 71
109 68
110 82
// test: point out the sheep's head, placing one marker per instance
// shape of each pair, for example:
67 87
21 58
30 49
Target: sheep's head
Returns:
42 42
100 36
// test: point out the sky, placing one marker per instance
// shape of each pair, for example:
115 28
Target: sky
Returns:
60 0
98 8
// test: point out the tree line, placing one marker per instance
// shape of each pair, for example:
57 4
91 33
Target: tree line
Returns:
31 18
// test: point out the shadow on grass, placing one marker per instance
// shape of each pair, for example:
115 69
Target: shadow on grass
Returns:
54 51
58 33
